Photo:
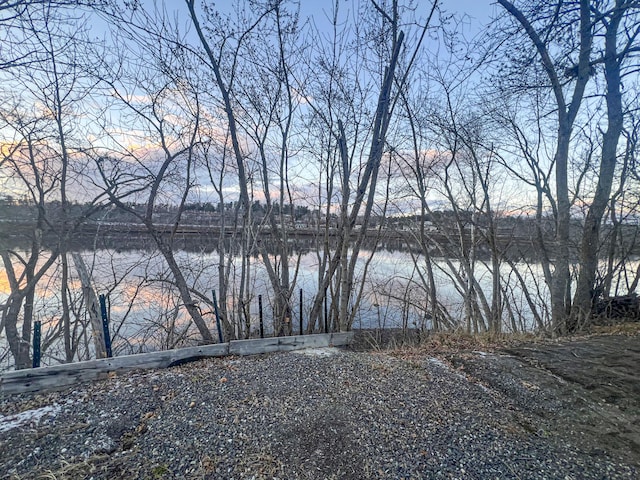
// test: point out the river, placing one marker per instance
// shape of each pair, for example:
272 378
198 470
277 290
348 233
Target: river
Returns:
146 312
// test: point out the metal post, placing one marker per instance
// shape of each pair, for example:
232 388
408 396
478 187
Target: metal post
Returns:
215 308
260 314
326 314
105 326
300 311
37 329
273 323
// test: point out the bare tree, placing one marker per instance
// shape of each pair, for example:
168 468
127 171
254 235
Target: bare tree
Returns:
46 154
606 37
159 96
619 21
266 108
567 107
357 203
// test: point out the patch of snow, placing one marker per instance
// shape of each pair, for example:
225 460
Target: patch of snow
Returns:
318 352
481 353
9 422
438 363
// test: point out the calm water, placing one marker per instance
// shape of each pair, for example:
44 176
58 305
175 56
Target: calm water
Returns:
146 311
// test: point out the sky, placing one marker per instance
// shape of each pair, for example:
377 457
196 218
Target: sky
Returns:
479 10
474 14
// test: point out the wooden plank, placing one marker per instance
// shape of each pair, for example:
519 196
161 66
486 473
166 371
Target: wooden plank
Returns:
277 344
253 346
160 359
61 376
341 339
285 344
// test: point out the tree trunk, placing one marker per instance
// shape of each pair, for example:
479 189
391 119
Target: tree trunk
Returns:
591 233
561 279
92 306
19 346
183 289
66 316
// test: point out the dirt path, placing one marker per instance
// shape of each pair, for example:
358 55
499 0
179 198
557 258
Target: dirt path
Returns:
586 390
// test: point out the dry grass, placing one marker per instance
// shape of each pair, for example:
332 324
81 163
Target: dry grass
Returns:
408 344
67 470
403 343
625 328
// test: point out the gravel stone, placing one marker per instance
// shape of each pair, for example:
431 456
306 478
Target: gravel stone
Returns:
336 414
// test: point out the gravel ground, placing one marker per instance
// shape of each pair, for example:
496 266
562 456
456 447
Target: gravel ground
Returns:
319 414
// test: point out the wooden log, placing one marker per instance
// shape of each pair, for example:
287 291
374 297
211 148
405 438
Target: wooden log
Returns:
60 376
91 304
285 344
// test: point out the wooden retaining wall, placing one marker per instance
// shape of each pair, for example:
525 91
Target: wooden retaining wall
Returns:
60 376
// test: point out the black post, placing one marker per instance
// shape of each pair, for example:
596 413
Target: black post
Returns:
300 311
215 308
260 314
105 326
326 314
37 328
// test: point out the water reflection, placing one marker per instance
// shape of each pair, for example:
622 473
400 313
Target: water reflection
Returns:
146 311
